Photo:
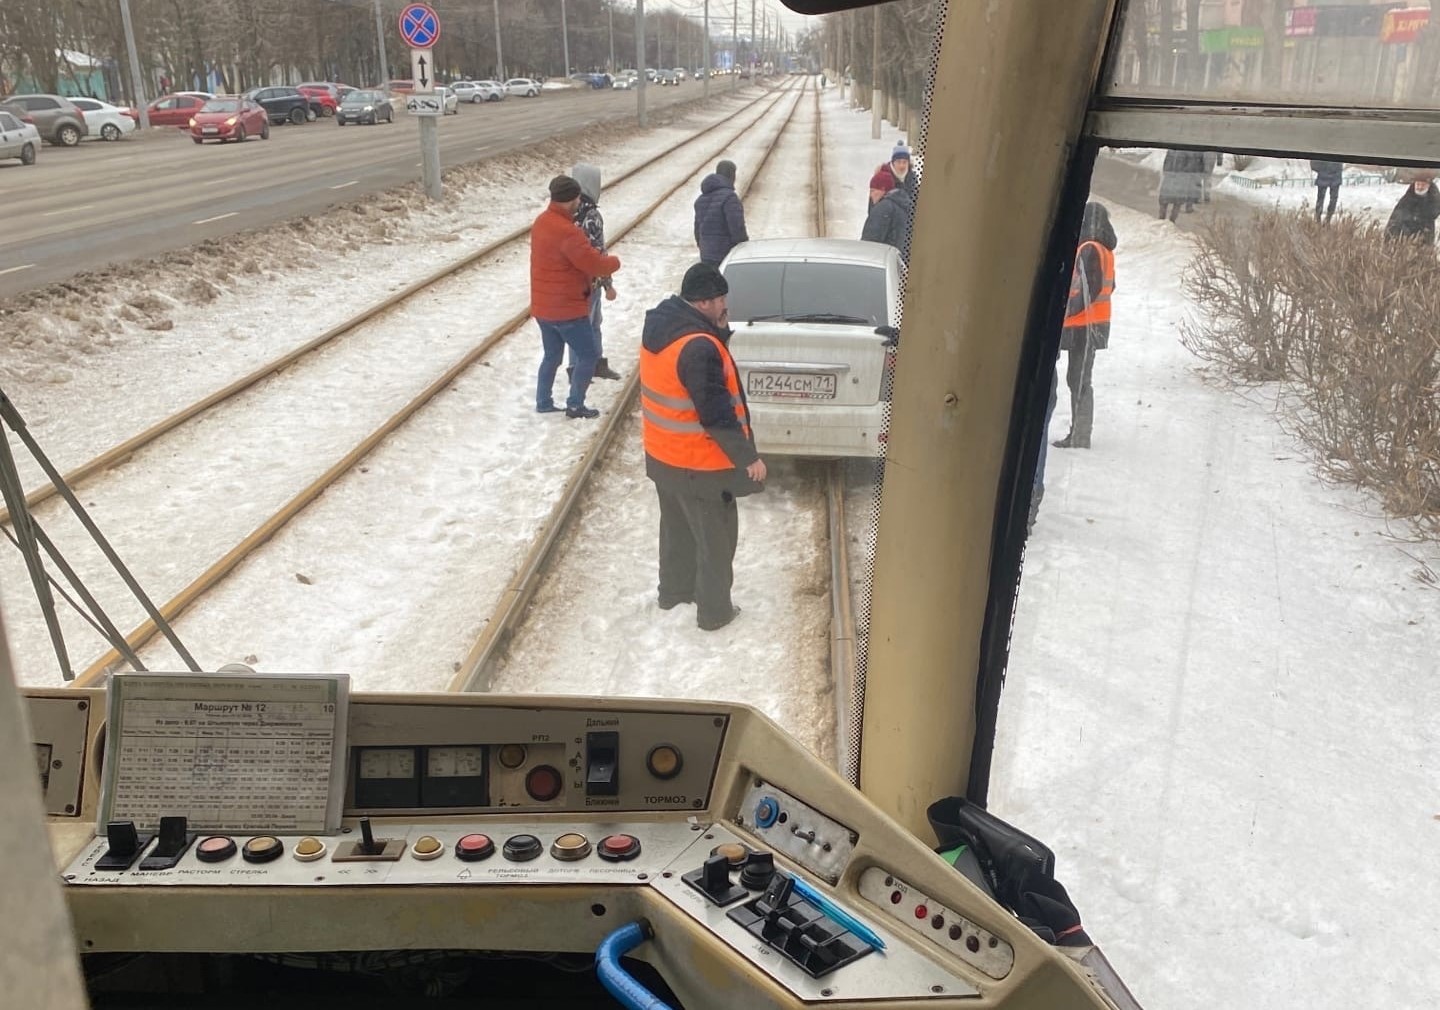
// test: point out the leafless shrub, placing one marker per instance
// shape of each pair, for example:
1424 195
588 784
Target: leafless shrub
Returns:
1349 321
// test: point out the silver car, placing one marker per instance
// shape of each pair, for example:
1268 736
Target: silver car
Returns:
815 324
524 87
17 139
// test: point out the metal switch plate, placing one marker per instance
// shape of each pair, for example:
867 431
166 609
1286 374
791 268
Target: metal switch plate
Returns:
783 823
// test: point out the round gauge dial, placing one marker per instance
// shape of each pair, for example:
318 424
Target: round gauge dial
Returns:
454 762
387 763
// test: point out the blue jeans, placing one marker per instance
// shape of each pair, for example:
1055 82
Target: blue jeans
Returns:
597 316
555 336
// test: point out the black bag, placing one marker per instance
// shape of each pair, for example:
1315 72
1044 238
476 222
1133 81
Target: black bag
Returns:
1019 870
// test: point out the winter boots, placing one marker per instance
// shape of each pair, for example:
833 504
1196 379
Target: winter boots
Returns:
602 370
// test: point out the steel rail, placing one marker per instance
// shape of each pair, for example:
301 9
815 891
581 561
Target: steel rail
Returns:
477 668
119 453
232 558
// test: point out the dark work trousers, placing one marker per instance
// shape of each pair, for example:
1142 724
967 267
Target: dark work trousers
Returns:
1079 366
1320 198
697 551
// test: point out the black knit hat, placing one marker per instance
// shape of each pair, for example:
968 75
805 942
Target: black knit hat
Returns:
563 189
727 169
702 282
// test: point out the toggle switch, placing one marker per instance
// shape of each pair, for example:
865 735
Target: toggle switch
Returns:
713 881
125 845
173 841
369 849
602 764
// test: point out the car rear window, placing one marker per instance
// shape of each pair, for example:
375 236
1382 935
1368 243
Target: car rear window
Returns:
7 122
780 290
220 105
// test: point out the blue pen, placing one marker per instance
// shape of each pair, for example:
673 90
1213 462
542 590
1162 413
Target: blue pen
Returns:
834 911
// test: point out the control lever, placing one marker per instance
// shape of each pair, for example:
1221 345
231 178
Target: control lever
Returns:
713 881
125 846
367 846
175 839
790 922
369 849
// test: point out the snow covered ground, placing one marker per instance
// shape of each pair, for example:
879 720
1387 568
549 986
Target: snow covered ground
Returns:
1219 710
1221 697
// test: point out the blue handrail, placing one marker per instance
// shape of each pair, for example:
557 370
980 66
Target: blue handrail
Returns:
620 983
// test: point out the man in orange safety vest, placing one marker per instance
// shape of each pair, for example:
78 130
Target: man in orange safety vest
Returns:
699 449
1087 320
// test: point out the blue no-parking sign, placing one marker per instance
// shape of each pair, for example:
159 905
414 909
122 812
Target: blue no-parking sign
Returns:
420 26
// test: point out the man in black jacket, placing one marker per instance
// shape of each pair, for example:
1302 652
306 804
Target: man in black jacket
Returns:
699 449
890 214
1328 177
719 215
1414 215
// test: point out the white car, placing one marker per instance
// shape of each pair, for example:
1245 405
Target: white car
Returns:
106 121
623 83
522 86
449 101
815 337
478 91
17 139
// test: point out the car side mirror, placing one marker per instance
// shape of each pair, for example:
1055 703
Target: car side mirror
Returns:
890 333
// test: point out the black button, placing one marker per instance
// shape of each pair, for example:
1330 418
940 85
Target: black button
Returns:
522 848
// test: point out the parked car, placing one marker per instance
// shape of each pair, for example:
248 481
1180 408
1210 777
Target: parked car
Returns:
815 331
365 107
282 104
400 87
594 81
623 83
58 121
18 139
478 91
667 77
522 86
106 121
680 73
449 101
324 98
176 109
225 119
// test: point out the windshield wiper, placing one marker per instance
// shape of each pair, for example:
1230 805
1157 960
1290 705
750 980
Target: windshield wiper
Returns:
826 317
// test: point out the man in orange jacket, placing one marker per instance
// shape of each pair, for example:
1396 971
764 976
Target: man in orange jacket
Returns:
699 449
563 269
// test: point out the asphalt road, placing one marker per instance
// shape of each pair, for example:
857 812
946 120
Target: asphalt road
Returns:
101 204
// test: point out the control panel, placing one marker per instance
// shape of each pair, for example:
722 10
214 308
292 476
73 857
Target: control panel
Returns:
58 730
281 815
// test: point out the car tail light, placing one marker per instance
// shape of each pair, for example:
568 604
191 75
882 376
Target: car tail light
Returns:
28 119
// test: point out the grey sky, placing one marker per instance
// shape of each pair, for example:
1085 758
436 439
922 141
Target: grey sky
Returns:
721 9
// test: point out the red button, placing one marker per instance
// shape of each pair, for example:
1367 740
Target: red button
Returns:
473 848
618 848
921 912
543 783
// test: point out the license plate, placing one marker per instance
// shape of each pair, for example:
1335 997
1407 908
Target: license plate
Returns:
209 129
796 385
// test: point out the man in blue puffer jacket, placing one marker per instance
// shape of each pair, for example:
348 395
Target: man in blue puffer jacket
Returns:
719 217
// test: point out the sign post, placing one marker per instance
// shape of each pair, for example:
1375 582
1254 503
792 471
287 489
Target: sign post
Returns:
420 27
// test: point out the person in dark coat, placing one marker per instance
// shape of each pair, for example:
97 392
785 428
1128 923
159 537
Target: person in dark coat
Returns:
1087 320
699 449
1328 177
890 214
592 223
1181 182
719 215
1414 216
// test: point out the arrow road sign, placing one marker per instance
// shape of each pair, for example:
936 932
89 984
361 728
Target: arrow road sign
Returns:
422 70
420 26
424 105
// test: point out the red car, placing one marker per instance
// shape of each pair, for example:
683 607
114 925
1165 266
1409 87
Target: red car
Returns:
175 110
324 98
225 119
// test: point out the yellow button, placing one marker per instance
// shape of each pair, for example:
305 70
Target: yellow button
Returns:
426 847
570 846
512 755
664 761
733 852
309 849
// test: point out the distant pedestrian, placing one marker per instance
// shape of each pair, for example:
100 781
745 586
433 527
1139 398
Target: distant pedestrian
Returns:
1414 215
588 217
1181 182
563 269
899 167
719 215
1087 319
1328 177
890 214
699 449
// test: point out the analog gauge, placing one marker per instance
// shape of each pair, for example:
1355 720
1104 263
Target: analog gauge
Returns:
387 763
454 762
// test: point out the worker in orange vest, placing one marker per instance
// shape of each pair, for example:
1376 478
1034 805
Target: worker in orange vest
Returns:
1087 320
699 449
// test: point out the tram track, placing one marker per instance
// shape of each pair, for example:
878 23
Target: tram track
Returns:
268 529
524 620
120 453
